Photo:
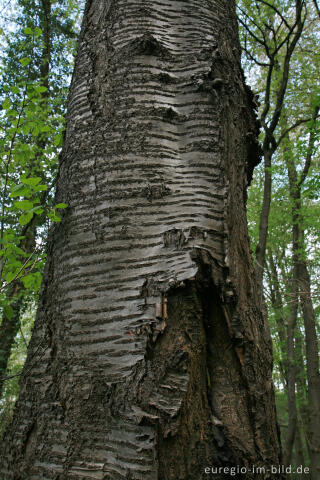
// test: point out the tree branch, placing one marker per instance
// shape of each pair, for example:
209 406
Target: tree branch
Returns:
289 129
312 138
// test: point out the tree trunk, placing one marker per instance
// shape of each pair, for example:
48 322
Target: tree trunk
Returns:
312 355
300 266
15 297
299 455
8 331
264 221
291 371
156 360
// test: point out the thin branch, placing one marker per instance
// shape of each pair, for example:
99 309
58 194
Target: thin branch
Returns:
257 39
21 269
286 68
244 13
315 3
277 12
311 142
261 64
289 129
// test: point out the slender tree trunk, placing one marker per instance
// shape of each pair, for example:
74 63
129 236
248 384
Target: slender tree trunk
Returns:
15 297
277 305
312 350
8 331
299 455
156 360
264 221
287 341
291 371
312 355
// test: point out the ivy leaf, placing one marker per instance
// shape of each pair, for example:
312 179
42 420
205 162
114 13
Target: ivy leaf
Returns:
61 205
28 31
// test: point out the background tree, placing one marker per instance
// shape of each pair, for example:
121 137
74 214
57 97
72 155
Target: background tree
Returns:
33 90
279 40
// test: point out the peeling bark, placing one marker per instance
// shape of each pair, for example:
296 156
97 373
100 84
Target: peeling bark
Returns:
156 360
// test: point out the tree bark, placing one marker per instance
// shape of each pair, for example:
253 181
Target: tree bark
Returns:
156 360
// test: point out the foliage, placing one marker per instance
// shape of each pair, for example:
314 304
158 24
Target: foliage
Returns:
290 128
35 71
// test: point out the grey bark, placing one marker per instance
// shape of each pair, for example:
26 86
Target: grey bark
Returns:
156 360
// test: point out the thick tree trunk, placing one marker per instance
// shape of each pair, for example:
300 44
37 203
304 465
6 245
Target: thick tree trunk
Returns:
156 360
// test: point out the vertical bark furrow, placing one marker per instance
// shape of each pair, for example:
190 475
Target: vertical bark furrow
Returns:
153 170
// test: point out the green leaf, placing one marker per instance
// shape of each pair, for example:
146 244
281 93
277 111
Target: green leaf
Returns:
28 31
37 32
25 129
8 311
54 217
32 181
24 205
32 280
57 140
12 113
25 218
61 205
6 104
10 276
38 210
25 61
40 88
40 188
21 191
28 280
